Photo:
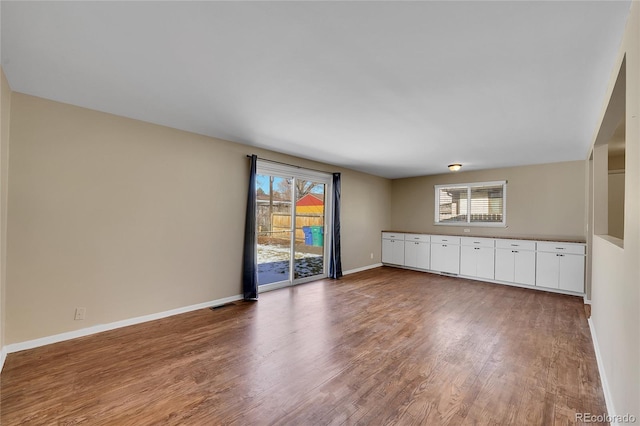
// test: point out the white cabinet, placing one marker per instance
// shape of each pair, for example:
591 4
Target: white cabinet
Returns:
393 248
516 261
561 266
417 250
477 257
445 254
547 265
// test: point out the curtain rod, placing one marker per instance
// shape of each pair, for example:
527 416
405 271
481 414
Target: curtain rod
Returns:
291 165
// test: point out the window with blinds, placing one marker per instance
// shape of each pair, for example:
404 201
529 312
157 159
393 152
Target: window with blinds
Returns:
480 204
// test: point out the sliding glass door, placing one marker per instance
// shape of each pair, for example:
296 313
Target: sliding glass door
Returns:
292 226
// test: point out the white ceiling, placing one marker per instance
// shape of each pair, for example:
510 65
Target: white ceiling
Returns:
391 88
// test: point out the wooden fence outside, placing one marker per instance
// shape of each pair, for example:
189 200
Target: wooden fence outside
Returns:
281 225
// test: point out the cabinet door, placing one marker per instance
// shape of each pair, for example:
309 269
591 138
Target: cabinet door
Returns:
485 266
437 257
422 255
410 254
524 267
548 270
468 260
571 273
445 258
387 251
440 255
393 252
398 252
453 259
505 265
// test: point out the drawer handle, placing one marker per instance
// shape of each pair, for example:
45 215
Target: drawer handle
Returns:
515 245
445 240
559 248
476 242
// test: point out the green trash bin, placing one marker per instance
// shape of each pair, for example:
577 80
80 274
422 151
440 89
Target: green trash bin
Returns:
317 235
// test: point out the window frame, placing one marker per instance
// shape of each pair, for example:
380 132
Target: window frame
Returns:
469 187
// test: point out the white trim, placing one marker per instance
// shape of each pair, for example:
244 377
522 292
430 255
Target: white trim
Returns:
617 172
608 399
266 167
273 286
364 268
3 357
30 344
476 224
586 301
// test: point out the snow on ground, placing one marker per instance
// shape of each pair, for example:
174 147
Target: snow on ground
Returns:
273 264
270 253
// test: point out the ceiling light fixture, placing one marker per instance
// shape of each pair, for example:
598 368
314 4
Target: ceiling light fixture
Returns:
455 167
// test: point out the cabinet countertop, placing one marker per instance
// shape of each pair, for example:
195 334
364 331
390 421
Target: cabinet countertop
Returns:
499 237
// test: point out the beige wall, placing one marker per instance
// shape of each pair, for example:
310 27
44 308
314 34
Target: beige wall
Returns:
616 271
616 162
128 218
542 201
615 214
5 108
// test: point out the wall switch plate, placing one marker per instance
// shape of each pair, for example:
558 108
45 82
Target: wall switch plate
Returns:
372 255
80 313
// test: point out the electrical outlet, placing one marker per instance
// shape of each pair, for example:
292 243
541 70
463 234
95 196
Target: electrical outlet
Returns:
467 230
80 313
372 255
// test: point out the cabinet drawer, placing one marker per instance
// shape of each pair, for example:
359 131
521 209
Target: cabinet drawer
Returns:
445 239
477 242
392 236
516 244
561 248
417 237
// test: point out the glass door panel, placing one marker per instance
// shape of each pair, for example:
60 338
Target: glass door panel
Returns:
309 230
274 226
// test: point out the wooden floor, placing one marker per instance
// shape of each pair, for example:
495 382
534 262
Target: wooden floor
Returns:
377 347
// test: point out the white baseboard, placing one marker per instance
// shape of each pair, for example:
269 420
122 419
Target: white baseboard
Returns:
364 268
30 344
3 356
603 376
586 301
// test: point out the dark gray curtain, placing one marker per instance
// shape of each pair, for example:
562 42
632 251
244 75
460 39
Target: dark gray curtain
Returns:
249 258
335 262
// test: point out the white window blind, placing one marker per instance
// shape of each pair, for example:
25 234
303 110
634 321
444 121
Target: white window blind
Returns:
471 204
